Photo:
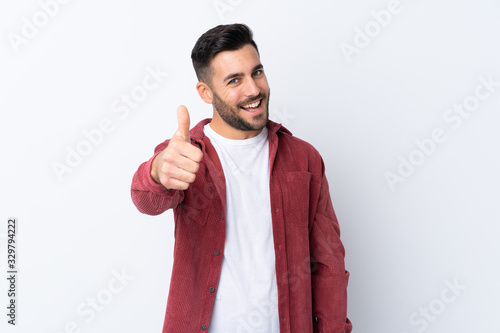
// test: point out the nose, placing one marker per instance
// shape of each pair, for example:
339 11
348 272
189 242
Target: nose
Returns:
251 88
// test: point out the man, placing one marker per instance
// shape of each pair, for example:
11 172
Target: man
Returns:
257 242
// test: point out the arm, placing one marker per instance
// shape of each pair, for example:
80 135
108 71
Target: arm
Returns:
159 183
148 196
329 277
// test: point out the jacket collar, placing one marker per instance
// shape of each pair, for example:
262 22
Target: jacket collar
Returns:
213 163
197 133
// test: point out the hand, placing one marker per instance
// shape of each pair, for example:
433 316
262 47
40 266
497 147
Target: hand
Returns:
176 166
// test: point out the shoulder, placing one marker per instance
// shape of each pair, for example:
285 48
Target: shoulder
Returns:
299 152
286 138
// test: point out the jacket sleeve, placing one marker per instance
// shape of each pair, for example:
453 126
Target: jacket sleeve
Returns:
148 196
329 277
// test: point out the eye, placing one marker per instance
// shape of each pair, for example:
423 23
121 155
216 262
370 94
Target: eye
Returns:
233 81
258 72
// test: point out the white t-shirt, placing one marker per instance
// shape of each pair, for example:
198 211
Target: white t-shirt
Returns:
247 294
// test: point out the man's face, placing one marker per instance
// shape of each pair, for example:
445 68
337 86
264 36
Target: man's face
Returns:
240 89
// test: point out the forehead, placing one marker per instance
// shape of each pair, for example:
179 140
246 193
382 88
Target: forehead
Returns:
238 61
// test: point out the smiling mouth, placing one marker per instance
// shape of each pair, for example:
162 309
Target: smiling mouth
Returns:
252 107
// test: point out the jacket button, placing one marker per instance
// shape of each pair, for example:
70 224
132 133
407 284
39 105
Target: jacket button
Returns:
222 217
216 253
212 289
203 327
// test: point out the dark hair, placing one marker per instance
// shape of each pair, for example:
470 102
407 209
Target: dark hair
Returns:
230 37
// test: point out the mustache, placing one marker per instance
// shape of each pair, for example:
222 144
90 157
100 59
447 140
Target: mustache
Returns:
252 99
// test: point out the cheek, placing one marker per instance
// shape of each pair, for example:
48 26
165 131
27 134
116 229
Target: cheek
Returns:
232 99
263 85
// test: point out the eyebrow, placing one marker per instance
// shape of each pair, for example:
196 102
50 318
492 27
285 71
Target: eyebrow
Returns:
232 76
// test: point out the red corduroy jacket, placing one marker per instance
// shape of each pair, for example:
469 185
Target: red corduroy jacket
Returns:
310 271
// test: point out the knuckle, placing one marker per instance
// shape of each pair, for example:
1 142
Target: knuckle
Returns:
165 181
173 144
167 156
167 169
171 159
191 178
198 156
196 167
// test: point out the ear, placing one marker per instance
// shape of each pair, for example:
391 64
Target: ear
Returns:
205 92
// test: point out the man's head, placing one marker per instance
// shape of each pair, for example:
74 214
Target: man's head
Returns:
222 38
231 78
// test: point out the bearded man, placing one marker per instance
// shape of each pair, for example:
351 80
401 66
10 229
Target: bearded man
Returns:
257 243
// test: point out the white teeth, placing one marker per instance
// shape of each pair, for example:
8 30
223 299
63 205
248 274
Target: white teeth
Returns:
253 105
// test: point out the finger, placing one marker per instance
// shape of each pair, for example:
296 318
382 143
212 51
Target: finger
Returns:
183 123
175 184
186 149
180 175
187 164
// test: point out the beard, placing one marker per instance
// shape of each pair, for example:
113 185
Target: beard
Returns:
232 115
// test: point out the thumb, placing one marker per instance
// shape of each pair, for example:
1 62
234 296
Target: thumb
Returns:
183 122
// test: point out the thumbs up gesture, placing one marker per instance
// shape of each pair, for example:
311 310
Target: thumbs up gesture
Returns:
176 166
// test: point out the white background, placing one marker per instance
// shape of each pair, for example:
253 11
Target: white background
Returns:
363 112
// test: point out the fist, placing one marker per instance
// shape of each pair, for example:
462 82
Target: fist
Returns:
176 166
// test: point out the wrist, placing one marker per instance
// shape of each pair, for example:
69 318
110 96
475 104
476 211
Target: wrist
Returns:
153 173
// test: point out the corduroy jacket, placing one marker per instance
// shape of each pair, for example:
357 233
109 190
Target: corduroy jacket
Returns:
310 270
